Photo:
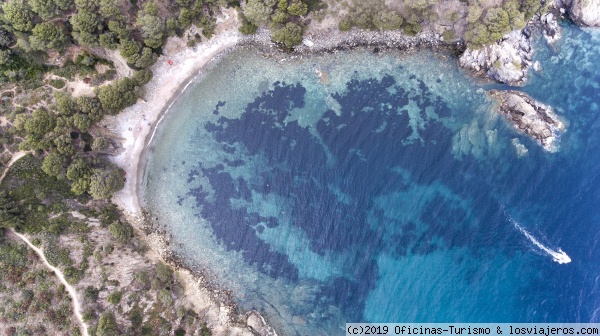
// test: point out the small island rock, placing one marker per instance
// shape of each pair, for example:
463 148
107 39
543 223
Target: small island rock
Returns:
530 117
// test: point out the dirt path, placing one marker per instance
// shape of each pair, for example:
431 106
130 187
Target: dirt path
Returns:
61 277
123 70
13 159
40 253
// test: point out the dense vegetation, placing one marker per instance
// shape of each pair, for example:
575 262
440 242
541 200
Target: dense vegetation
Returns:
42 115
284 18
59 221
478 22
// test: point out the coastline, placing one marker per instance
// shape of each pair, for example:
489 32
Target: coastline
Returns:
137 124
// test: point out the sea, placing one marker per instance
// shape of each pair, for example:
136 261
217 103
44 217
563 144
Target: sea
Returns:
384 187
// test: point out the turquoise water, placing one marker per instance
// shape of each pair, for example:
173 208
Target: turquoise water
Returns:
383 188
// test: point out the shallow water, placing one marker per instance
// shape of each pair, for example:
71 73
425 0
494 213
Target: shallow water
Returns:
386 190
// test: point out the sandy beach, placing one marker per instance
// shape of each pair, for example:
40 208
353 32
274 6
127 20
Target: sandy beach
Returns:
174 69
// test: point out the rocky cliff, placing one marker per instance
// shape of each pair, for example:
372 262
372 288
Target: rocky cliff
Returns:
506 61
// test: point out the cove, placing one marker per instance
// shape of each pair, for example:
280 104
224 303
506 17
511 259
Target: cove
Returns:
382 187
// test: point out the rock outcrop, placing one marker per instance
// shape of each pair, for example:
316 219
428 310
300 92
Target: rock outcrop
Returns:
530 117
550 27
506 61
585 12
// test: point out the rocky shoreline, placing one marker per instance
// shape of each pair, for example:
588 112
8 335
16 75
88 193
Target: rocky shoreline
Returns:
160 241
332 41
509 60
506 61
584 12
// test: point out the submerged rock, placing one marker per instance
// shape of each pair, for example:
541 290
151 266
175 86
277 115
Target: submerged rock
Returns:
258 324
550 27
585 12
519 147
530 117
506 61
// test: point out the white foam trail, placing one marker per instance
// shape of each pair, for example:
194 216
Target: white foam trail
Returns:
559 256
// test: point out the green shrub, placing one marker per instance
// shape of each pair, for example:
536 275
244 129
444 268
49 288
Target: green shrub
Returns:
141 278
530 7
142 77
49 35
345 24
289 35
449 36
136 317
258 11
121 231
10 214
412 28
74 275
108 75
57 255
108 248
488 28
105 181
57 83
107 325
18 14
164 273
53 164
108 214
204 331
89 315
91 294
297 7
164 296
387 20
118 95
114 298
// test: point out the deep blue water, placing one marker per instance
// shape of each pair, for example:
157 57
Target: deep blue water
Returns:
365 210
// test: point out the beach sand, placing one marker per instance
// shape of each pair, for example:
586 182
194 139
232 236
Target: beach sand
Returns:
136 123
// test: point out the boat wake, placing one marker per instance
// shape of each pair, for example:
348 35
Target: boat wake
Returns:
559 256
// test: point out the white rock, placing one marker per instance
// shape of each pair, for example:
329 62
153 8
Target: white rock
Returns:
308 43
586 12
506 61
551 28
